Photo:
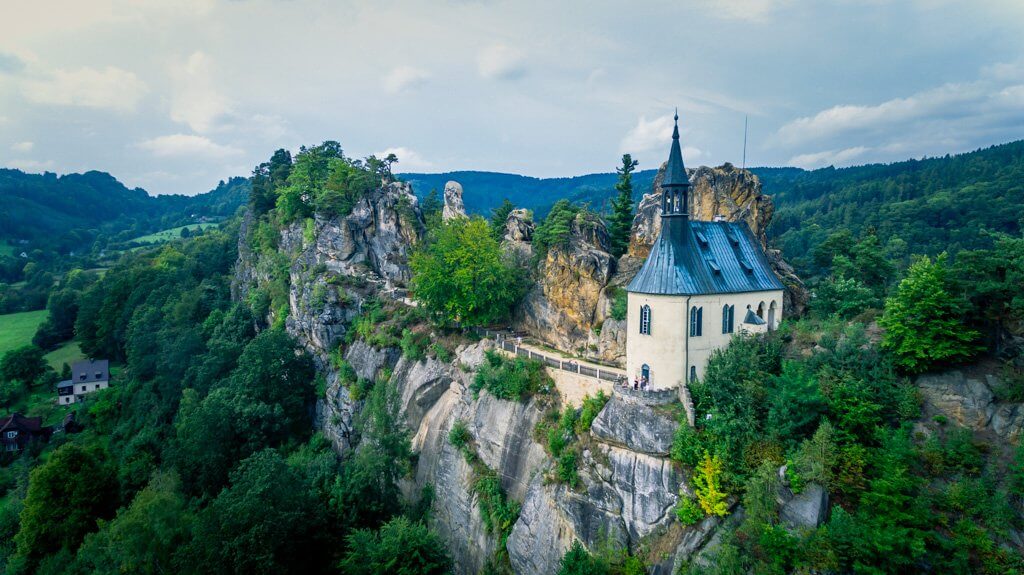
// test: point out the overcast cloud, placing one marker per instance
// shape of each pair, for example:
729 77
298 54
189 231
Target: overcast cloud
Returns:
173 96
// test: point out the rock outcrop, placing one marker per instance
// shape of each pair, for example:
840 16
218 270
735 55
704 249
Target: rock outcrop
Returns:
726 191
563 307
518 238
635 426
969 402
453 206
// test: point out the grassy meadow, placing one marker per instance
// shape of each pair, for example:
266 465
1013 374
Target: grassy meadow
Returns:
170 234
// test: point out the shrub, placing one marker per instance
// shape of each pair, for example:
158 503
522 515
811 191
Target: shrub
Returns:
591 407
499 513
707 483
566 469
442 353
688 512
513 379
686 445
619 304
459 435
413 345
578 561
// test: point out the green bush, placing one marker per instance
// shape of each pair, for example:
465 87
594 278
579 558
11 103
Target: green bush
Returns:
513 379
688 512
413 345
459 435
619 304
566 469
441 353
591 407
499 513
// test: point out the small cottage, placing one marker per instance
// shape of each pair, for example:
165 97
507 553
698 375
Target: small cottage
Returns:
17 431
86 377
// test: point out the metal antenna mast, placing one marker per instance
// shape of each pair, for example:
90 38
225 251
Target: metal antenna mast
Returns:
744 141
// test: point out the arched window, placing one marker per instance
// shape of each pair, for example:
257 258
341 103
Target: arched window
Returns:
696 321
760 310
728 318
693 373
645 320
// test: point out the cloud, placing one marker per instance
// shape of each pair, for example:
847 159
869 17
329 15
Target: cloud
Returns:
196 100
403 78
187 145
948 118
408 160
29 165
501 62
22 146
648 135
109 88
828 158
743 9
10 64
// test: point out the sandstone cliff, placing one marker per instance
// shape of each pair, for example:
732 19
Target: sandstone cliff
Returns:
565 303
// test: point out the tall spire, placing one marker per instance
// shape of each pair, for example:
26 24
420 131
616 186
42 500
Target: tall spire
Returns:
675 171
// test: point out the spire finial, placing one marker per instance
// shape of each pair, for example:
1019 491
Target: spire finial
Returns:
675 128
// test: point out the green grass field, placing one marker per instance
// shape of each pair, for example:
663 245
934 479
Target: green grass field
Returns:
17 329
170 234
6 249
67 353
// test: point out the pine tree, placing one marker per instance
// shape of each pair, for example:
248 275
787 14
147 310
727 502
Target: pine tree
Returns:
499 216
620 222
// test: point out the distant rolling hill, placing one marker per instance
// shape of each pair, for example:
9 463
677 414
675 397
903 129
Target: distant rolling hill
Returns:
68 212
483 191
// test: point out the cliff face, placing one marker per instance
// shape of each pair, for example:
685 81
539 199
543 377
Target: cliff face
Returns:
627 485
564 304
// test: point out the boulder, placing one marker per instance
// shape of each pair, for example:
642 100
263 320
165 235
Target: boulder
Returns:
970 402
634 426
807 509
453 206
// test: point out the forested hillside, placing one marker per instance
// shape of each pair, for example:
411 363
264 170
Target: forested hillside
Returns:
483 191
914 207
50 224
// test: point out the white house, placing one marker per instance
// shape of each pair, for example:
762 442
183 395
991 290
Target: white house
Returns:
86 377
702 283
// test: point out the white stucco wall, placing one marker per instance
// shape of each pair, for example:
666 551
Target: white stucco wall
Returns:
666 349
663 350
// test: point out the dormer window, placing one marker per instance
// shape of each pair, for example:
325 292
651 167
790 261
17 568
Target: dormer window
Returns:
83 376
702 239
645 320
99 375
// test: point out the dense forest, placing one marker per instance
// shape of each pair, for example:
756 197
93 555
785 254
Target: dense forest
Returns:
50 224
924 206
202 458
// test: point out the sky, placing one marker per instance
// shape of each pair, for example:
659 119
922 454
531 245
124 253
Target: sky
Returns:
174 96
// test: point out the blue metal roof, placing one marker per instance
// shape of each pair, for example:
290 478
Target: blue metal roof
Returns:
695 258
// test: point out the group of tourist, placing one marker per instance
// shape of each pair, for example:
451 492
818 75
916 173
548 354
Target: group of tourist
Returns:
639 383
